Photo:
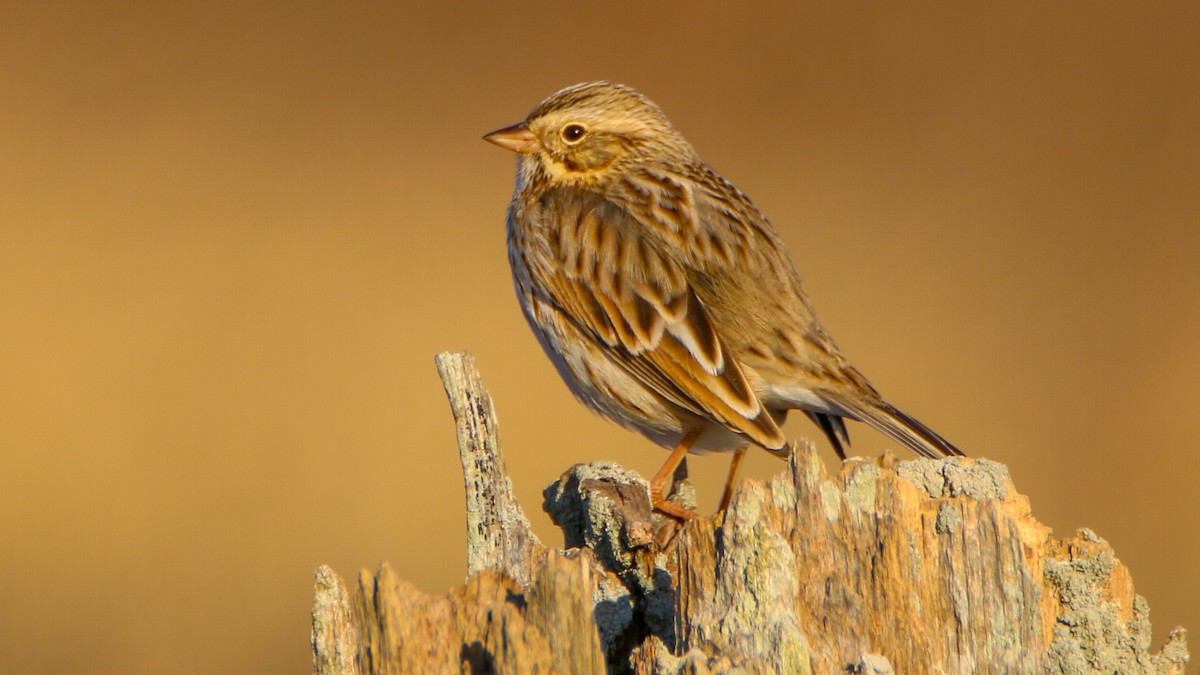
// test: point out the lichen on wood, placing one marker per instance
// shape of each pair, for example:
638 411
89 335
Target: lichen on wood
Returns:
880 566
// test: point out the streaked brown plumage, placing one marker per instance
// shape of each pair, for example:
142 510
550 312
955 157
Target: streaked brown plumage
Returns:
666 300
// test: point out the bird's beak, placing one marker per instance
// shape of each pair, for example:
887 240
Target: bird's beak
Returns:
517 138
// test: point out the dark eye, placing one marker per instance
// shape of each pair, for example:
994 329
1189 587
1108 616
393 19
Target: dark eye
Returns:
573 132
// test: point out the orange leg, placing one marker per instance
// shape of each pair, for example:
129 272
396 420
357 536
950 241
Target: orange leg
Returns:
734 466
660 479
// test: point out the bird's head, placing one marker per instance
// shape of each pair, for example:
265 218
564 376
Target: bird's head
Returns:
589 133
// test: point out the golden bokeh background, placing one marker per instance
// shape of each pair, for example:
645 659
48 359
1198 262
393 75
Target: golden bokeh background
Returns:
234 235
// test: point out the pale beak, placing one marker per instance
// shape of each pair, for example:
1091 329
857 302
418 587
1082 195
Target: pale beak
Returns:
517 138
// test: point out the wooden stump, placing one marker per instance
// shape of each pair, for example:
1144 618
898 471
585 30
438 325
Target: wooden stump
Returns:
883 566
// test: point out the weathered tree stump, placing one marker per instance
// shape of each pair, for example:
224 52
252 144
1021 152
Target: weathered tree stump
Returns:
884 566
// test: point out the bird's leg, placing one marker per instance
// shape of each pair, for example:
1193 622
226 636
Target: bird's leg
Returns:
660 479
734 466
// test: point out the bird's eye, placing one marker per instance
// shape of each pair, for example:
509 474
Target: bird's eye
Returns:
573 132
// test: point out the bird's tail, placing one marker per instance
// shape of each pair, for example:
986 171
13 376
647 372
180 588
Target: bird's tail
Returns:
834 428
889 420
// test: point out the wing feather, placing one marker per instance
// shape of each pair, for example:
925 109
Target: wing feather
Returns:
636 302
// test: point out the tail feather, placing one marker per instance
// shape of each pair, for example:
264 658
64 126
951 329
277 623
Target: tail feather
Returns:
892 422
834 428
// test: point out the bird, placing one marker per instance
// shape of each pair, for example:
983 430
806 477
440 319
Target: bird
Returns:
666 300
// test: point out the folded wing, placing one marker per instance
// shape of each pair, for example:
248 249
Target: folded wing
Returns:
636 303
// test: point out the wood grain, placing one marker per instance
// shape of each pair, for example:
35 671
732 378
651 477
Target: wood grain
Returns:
878 567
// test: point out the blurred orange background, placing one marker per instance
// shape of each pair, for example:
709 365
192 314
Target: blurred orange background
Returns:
235 235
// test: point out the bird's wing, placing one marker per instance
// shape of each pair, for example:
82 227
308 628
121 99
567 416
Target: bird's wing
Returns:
798 355
637 304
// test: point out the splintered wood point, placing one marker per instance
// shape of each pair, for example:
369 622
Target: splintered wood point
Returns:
498 533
